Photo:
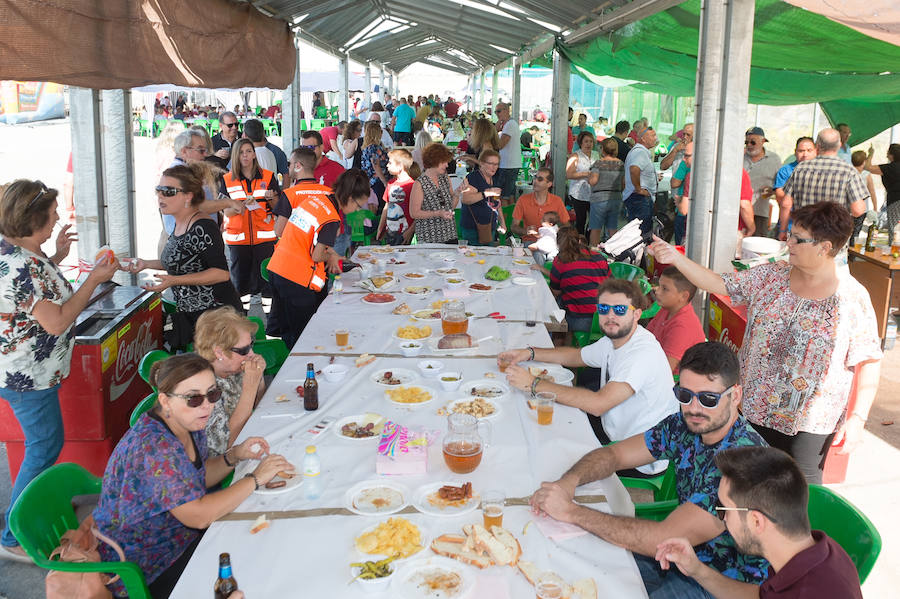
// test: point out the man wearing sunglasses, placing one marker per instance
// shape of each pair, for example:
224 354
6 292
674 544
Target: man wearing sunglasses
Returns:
763 500
762 165
709 392
635 379
531 207
229 132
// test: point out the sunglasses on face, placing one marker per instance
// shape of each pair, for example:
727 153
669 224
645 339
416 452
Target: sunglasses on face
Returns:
167 191
800 240
540 178
39 195
312 147
195 400
229 125
618 309
707 399
243 350
749 142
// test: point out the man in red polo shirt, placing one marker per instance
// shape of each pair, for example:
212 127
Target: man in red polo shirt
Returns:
327 170
764 500
676 326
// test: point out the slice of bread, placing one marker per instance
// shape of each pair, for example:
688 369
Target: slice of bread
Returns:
499 552
529 570
509 541
453 546
586 588
259 524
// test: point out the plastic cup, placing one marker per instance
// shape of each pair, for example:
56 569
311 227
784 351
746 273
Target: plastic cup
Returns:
341 337
545 401
492 503
549 586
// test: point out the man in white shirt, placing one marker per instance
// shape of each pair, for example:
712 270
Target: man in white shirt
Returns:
510 152
386 140
636 382
253 130
641 180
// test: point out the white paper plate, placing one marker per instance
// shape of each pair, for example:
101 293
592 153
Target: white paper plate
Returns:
250 465
430 318
435 339
411 405
427 290
448 270
423 538
406 275
467 388
561 376
347 420
358 488
419 339
467 399
420 501
408 580
439 255
390 303
469 287
402 374
524 281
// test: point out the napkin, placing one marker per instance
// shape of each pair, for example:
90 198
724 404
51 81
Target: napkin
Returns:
491 585
555 530
558 314
401 450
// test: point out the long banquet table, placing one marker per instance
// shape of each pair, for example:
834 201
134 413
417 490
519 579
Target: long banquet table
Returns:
308 547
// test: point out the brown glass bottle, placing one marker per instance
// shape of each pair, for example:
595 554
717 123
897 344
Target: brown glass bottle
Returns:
310 389
225 583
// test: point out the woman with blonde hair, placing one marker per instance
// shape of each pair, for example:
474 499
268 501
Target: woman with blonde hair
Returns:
375 160
225 338
351 144
423 139
483 136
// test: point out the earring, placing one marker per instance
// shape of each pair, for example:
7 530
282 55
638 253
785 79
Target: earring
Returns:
168 413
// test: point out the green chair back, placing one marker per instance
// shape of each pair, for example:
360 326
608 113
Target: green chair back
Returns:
321 112
651 311
214 126
264 269
356 221
317 124
583 338
274 352
260 327
623 270
158 126
846 524
270 127
662 485
150 358
549 266
457 218
145 405
43 512
302 125
201 123
146 129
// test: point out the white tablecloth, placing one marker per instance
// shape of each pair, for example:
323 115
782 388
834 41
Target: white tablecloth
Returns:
313 553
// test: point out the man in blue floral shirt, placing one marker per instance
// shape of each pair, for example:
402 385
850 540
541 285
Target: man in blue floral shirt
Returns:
709 393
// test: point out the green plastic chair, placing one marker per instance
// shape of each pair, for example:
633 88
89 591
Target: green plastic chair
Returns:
260 327
150 358
146 129
158 126
145 405
270 127
302 125
457 218
214 126
846 524
43 512
317 123
655 510
623 270
264 269
201 123
583 338
662 485
321 112
357 229
549 266
274 352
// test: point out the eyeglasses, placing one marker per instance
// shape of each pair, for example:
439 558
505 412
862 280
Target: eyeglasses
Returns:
491 163
201 150
801 240
38 196
722 511
312 147
243 350
229 125
167 191
540 178
195 400
358 205
618 309
707 399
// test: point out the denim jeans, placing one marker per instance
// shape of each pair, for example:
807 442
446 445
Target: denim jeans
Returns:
638 206
39 416
342 242
671 584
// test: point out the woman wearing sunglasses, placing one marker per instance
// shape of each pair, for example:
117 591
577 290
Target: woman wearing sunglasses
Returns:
154 500
225 338
194 255
37 310
809 332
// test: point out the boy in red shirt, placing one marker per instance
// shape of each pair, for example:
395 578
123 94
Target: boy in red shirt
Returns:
676 326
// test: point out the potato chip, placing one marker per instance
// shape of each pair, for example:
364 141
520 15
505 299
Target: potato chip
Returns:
395 536
414 332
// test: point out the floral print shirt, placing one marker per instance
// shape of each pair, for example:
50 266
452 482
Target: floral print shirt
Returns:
149 474
30 357
798 354
374 154
697 481
217 431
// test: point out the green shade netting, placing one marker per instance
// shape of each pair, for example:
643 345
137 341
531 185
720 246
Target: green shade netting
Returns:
799 57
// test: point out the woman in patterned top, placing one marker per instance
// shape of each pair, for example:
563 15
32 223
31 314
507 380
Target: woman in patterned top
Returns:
374 161
809 332
194 255
432 199
37 310
154 500
225 338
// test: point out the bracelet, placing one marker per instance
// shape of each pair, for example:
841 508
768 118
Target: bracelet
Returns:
225 457
531 349
255 480
534 385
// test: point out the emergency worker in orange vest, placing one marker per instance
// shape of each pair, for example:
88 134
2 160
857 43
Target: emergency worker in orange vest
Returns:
305 255
250 234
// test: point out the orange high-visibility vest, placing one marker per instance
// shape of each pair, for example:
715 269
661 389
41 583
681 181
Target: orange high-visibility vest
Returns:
311 209
250 226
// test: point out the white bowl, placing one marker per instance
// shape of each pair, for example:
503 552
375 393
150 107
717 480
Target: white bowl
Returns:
451 385
374 585
430 368
410 349
335 373
454 281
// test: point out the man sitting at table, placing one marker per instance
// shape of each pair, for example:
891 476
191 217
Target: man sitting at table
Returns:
531 207
676 326
764 504
635 378
710 393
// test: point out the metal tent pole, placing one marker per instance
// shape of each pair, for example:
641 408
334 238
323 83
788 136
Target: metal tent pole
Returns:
118 175
87 170
290 110
516 88
559 128
344 84
494 83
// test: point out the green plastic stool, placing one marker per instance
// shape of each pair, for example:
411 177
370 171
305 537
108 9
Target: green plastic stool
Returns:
357 228
846 524
150 358
274 352
43 512
145 405
260 328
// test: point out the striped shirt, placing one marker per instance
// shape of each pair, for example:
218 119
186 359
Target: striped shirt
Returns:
578 281
825 179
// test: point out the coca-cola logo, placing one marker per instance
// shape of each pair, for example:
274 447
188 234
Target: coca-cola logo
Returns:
131 352
723 338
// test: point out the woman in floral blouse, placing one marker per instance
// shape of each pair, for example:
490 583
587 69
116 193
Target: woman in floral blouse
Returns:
225 338
154 500
809 331
37 310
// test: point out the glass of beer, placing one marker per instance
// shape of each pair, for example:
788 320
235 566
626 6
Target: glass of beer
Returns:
503 364
549 586
545 401
454 318
341 337
492 503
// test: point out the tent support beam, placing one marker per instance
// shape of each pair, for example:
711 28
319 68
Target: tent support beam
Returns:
290 123
474 86
495 75
118 175
367 97
516 89
87 168
559 130
344 86
480 90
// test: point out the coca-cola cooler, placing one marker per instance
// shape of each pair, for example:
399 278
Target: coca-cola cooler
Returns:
112 334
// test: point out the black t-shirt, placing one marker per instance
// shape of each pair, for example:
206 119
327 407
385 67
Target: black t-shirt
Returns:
329 232
890 178
526 139
623 149
480 209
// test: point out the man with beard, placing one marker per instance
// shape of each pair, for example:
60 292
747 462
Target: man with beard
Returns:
709 392
635 377
762 165
763 497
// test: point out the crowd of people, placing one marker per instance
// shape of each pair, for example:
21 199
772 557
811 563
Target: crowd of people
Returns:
242 222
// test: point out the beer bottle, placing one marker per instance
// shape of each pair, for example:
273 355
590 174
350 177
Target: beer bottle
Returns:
870 238
225 584
310 389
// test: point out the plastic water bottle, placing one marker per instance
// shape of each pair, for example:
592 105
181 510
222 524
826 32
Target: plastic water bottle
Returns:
337 288
891 333
312 473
